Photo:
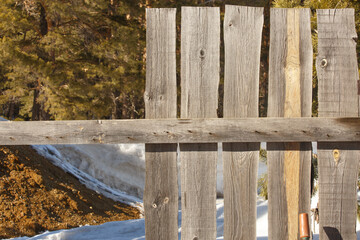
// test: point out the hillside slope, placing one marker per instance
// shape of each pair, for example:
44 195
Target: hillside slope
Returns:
36 196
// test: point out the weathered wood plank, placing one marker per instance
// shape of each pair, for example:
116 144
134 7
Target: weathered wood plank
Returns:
180 131
338 97
200 65
242 38
289 96
161 183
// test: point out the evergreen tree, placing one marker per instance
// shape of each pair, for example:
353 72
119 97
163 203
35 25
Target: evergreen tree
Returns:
72 59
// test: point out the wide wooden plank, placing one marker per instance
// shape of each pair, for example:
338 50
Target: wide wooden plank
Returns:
200 65
242 37
338 97
161 182
180 131
290 88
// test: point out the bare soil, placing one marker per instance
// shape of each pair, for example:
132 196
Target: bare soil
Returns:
36 196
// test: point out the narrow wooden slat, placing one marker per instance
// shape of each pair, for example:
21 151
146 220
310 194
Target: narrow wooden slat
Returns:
338 97
242 38
161 186
290 90
200 65
180 131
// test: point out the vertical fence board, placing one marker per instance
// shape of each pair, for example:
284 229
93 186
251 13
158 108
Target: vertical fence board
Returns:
200 65
338 97
161 187
290 87
242 36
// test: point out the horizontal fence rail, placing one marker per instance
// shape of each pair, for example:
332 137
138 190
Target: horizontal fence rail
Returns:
180 131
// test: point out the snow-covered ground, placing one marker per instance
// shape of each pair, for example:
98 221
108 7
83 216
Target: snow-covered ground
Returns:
135 229
100 167
118 172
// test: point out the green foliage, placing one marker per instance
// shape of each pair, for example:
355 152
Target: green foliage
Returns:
263 155
287 3
314 174
262 186
72 59
263 179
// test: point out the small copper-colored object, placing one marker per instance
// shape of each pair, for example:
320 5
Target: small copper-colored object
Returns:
304 226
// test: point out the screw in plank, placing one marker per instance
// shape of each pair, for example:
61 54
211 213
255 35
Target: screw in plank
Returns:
323 63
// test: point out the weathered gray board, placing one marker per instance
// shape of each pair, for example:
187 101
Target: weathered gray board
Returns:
180 130
290 95
161 186
338 97
242 35
200 66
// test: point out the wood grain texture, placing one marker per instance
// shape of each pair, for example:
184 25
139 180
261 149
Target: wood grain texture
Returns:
338 97
292 107
289 96
180 131
161 183
200 65
242 38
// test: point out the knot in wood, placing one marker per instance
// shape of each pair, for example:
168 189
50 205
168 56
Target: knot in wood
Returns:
195 238
336 155
166 200
323 63
202 53
154 205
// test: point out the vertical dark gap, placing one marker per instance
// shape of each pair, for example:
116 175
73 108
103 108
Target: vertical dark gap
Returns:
220 111
264 62
178 59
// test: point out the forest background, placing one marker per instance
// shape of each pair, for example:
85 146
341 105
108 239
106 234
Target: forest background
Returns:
85 59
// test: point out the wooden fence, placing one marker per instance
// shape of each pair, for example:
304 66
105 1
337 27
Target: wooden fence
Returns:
288 130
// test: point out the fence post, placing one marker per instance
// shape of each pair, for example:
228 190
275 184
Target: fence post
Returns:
200 66
338 165
290 95
242 35
161 187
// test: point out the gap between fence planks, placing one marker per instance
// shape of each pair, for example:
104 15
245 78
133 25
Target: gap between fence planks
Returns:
242 38
290 89
180 131
200 68
161 185
337 70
